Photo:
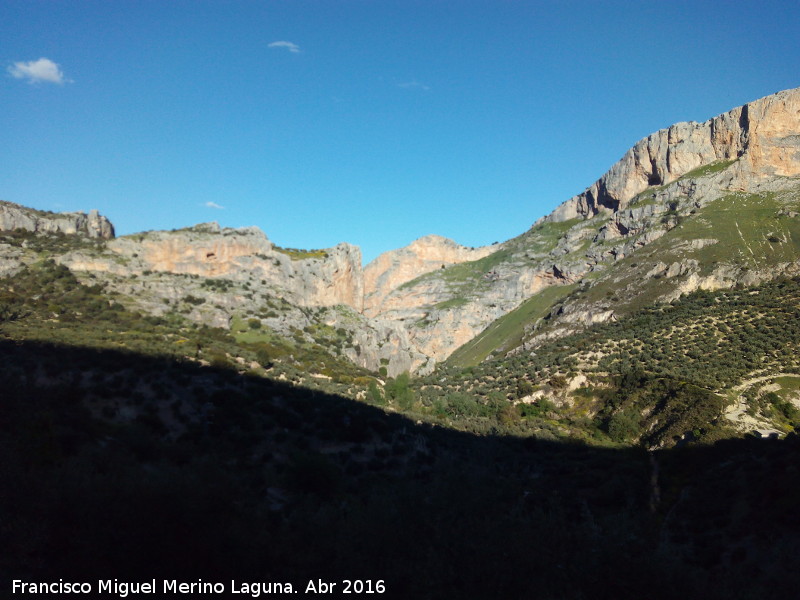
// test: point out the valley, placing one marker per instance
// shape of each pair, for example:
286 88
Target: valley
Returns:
606 404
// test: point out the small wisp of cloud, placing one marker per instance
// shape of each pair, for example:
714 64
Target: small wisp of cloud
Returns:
210 204
290 46
37 71
408 85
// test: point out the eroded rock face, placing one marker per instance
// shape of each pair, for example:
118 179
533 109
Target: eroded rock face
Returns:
392 269
763 135
662 179
242 255
414 306
13 216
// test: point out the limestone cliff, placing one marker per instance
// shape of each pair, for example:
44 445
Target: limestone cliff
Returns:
762 136
329 277
13 216
392 269
690 172
650 229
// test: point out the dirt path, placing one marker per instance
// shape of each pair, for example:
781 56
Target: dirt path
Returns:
748 382
737 412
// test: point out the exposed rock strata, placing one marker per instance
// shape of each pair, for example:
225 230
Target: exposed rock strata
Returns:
242 255
663 179
762 136
13 216
392 269
414 306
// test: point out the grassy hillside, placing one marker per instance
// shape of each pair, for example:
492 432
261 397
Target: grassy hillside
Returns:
508 331
659 376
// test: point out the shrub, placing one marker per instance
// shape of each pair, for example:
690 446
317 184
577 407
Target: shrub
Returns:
624 426
400 392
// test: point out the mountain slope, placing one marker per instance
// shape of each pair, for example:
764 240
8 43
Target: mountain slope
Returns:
716 202
697 205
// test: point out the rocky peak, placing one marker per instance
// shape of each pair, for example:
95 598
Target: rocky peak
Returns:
94 225
205 250
245 255
396 267
761 137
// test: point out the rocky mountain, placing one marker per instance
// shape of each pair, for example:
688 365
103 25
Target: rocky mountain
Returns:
593 426
220 277
231 275
392 269
761 137
697 205
714 203
13 216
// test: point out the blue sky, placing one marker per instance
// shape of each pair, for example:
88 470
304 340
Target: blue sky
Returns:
372 122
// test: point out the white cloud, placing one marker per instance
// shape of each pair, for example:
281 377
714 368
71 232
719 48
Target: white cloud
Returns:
214 205
35 71
413 84
291 47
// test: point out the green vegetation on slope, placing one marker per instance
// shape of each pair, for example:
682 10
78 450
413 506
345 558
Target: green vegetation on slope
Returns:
737 232
709 169
653 377
752 230
45 302
469 278
300 254
507 331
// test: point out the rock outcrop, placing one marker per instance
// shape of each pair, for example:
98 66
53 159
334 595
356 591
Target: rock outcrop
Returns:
392 269
412 307
245 255
13 216
664 179
763 137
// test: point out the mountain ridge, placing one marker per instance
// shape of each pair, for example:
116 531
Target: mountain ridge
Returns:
751 134
425 300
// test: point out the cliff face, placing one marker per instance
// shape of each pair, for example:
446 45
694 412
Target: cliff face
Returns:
329 277
13 216
392 269
746 159
678 193
763 135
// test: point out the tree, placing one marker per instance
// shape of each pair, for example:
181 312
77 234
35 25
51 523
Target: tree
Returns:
624 426
374 394
400 392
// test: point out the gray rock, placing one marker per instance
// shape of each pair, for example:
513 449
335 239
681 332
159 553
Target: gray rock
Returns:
13 216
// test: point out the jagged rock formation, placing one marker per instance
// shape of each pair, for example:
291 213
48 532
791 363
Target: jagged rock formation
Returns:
643 200
392 269
662 221
762 136
13 216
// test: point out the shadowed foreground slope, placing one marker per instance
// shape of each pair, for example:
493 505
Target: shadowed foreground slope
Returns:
252 479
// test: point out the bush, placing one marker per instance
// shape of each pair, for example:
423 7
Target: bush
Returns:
624 426
524 388
218 360
400 392
374 395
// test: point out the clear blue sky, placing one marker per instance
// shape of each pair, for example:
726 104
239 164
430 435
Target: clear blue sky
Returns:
372 122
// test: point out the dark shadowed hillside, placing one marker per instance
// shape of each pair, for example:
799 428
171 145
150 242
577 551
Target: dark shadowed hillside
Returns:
605 406
280 483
